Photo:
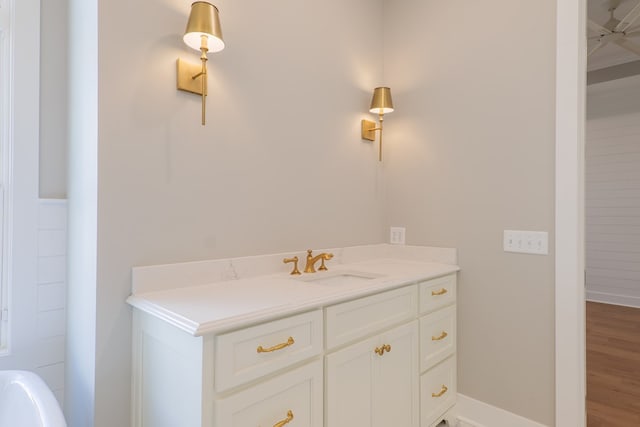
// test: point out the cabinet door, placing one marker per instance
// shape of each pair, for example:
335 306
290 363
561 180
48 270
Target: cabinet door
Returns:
369 389
396 380
349 385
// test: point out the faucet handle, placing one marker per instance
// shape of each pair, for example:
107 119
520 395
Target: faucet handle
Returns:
294 260
325 257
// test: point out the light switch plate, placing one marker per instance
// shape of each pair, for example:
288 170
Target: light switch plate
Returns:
527 242
397 235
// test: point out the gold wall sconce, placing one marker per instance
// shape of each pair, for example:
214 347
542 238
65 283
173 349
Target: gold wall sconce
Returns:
203 33
382 104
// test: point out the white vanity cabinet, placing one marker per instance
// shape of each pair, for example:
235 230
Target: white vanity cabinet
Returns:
372 360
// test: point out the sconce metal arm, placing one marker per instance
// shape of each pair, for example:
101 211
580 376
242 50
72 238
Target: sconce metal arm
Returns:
381 116
204 48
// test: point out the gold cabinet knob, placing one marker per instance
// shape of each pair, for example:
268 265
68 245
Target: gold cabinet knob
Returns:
276 347
286 420
439 292
380 350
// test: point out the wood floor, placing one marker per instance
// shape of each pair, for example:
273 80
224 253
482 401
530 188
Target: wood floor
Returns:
613 366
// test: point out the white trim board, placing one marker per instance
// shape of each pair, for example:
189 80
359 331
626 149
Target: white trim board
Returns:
609 298
474 413
19 160
571 66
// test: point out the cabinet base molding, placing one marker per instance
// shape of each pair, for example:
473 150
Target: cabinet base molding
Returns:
474 413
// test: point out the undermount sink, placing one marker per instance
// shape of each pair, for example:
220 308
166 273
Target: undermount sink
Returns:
339 278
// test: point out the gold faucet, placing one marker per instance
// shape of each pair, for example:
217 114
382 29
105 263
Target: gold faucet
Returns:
311 261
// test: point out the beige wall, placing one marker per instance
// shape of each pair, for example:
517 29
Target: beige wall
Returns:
470 154
53 99
279 167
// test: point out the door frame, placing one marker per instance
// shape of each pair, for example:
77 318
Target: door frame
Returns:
570 362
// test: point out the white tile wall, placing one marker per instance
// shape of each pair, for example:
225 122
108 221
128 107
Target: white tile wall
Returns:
51 295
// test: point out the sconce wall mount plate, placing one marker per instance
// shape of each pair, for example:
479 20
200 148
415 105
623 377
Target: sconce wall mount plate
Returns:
185 71
368 130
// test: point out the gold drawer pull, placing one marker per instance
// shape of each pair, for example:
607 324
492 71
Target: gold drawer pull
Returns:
286 420
380 350
289 342
442 391
442 336
438 293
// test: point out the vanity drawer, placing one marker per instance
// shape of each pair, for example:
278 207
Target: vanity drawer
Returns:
351 320
436 293
437 337
247 354
296 395
437 391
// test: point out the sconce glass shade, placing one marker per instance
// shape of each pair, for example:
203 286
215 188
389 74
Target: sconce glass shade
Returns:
381 102
204 21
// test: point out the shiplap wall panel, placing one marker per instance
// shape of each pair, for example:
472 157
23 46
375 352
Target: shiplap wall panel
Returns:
612 199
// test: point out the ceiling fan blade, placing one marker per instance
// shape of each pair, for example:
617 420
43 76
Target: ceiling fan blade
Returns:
629 45
597 47
633 29
597 27
633 32
629 19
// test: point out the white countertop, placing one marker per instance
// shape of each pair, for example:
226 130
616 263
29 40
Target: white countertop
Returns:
230 304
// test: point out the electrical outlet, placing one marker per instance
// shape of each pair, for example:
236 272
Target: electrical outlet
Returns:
397 235
528 242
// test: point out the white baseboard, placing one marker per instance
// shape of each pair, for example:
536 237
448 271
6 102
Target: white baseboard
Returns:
607 298
473 413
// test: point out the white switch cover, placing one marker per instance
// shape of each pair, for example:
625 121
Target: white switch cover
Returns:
396 236
527 242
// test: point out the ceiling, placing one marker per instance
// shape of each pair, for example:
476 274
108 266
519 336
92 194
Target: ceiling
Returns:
611 54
